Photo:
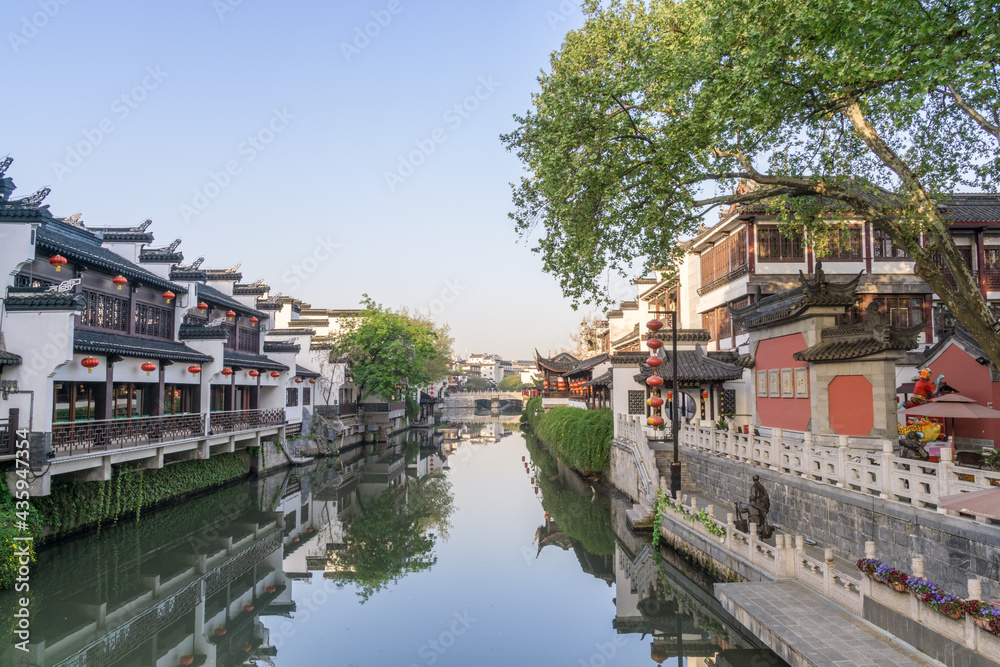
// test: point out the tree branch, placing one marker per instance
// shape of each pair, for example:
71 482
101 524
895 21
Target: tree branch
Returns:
972 113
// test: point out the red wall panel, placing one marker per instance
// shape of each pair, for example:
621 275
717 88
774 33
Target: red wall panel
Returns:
776 353
852 405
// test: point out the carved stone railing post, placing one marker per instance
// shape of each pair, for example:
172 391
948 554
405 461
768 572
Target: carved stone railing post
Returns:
730 437
842 461
752 543
945 468
730 530
975 593
807 443
774 451
828 572
711 438
887 469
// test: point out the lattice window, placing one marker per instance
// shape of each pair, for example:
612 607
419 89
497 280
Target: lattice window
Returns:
104 311
636 402
728 402
291 397
249 340
884 249
846 244
306 395
154 321
24 280
774 246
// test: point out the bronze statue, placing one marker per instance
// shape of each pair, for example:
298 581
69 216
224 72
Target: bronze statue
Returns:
756 511
912 447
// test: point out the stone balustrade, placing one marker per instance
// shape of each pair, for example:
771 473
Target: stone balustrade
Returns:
789 559
875 472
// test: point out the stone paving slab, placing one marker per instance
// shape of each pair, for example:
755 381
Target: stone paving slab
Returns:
804 629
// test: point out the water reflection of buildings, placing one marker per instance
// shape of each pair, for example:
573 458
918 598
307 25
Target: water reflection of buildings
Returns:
672 602
153 595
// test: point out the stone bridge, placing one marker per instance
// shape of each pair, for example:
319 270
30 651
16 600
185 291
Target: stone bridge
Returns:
467 399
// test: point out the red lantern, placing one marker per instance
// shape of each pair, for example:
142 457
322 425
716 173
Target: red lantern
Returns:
270 589
654 381
119 280
253 374
312 381
295 539
168 295
149 367
654 343
704 395
532 480
275 374
670 395
654 361
655 401
536 490
187 659
298 380
202 306
227 371
90 363
253 321
230 314
248 607
194 370
247 648
220 631
655 420
654 325
57 261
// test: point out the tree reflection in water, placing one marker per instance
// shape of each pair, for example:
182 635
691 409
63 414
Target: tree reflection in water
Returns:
394 536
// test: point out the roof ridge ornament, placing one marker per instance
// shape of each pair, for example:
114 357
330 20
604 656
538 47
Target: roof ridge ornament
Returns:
217 322
142 227
65 286
33 200
75 220
173 246
196 263
5 165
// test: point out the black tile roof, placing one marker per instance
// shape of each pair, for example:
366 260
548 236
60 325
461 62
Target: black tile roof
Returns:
683 335
271 346
203 332
9 359
692 366
251 289
813 291
629 305
29 299
269 304
187 274
603 380
305 372
17 208
587 364
105 342
136 234
560 363
984 208
224 274
232 358
291 332
843 350
160 256
218 299
80 245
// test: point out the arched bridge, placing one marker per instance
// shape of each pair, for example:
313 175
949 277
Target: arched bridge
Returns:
467 399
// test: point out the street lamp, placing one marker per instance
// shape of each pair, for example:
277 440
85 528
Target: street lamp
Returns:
675 466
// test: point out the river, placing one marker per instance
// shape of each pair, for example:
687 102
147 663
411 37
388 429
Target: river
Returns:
480 551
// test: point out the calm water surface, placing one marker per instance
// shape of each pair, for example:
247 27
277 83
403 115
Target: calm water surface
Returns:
421 553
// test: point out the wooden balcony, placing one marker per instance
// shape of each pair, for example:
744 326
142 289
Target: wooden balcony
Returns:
244 420
381 408
991 279
102 435
8 433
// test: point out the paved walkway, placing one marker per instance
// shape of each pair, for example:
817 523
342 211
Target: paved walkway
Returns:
805 629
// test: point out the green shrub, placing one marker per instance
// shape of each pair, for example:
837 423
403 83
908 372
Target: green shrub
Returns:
581 438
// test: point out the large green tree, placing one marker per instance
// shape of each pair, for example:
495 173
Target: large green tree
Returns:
655 110
389 351
511 383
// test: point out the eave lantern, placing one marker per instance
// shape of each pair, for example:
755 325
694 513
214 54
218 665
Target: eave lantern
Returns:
654 325
227 371
119 280
312 381
253 321
58 261
149 367
275 374
655 402
298 380
655 420
654 344
253 373
90 363
230 314
194 370
654 361
202 306
654 381
168 296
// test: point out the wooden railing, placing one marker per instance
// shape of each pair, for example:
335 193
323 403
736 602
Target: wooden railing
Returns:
244 420
377 408
991 279
874 472
8 432
84 437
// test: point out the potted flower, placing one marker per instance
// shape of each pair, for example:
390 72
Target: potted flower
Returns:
879 571
984 614
935 598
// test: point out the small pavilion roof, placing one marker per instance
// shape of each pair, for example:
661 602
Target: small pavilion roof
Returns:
560 363
216 298
692 366
9 359
586 365
302 371
813 291
603 380
232 358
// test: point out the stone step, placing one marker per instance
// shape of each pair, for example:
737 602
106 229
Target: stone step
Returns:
663 459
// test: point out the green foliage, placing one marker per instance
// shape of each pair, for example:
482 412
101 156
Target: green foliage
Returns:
722 424
656 111
76 505
512 383
991 458
581 438
9 517
384 544
388 350
532 412
664 502
583 518
476 384
412 408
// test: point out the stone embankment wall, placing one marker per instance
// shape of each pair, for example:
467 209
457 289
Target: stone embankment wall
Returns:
954 549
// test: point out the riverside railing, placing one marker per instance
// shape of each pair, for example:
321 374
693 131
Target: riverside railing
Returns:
84 437
630 436
244 420
875 472
789 559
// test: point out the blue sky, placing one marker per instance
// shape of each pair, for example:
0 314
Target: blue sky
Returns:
330 162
